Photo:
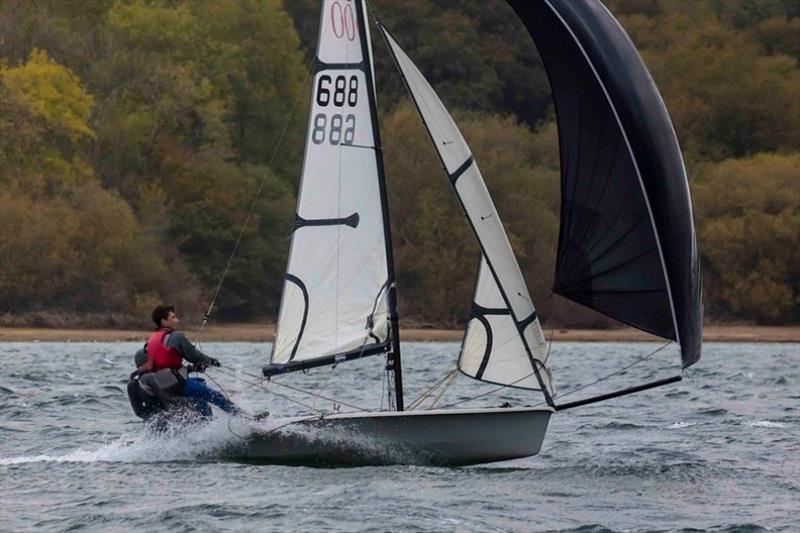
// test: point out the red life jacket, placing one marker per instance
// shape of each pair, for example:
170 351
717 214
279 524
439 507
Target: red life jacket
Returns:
158 355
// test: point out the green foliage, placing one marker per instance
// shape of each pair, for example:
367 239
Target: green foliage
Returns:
54 93
433 245
726 96
749 233
436 253
44 125
135 134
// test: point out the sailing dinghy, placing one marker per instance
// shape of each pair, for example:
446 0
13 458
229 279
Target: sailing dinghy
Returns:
626 246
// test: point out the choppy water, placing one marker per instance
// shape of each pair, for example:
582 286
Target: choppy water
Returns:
718 452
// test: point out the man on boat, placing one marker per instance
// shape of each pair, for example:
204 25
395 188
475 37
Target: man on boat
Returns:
161 380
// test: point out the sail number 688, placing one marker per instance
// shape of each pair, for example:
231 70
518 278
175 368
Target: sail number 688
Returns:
344 90
337 128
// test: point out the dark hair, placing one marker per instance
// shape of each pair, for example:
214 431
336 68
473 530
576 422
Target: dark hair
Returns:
161 312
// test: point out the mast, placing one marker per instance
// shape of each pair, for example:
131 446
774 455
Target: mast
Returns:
393 361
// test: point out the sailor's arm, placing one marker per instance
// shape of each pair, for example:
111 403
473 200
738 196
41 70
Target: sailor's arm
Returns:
178 340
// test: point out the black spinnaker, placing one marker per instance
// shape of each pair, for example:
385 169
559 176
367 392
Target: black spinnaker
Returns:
627 245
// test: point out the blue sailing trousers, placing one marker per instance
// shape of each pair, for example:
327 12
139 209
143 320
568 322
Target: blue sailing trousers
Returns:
196 390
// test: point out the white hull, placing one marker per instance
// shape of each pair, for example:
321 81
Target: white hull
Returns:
447 437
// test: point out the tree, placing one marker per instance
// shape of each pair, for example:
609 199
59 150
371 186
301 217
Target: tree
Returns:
749 236
725 95
45 125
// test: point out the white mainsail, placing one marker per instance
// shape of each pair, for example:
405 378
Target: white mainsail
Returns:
504 343
335 294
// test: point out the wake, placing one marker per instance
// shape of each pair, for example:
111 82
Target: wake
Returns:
199 442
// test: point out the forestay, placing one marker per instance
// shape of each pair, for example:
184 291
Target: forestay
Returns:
334 295
503 343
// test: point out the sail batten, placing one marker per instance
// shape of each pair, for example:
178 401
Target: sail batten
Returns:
505 347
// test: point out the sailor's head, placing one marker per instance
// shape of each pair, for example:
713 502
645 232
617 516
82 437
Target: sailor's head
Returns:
164 317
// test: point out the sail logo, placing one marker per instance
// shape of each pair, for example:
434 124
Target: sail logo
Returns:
346 21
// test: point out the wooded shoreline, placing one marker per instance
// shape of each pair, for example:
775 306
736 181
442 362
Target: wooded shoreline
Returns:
264 333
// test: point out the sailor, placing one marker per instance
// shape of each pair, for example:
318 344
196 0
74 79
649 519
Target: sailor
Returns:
161 379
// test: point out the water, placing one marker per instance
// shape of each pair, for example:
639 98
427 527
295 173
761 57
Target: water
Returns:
719 451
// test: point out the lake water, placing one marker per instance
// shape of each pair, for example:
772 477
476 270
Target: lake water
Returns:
719 451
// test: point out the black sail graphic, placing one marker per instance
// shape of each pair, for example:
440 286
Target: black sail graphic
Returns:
627 244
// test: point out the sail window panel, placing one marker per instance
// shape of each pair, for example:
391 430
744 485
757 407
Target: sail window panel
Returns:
474 348
505 366
339 40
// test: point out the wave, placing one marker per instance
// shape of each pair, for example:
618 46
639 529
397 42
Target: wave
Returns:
682 425
764 424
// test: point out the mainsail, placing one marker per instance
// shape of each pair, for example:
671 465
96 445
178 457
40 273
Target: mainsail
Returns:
335 297
627 244
503 342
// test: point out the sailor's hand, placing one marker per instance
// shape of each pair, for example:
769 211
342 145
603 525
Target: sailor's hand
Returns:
198 367
213 362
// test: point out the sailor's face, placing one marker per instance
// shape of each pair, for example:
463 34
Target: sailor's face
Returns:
171 321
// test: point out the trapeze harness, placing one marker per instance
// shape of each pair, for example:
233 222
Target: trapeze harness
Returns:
159 382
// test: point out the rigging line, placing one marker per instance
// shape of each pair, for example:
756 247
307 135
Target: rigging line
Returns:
324 384
227 397
433 387
637 361
265 389
296 389
383 384
389 391
446 385
215 382
549 342
306 419
250 212
624 368
489 392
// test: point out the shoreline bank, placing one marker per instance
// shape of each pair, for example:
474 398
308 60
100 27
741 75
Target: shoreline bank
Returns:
264 333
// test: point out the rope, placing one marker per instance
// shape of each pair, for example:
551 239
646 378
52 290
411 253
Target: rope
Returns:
230 420
265 389
255 198
322 387
433 387
489 392
383 385
446 385
636 362
227 397
296 389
